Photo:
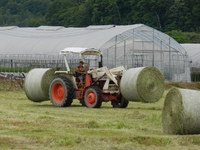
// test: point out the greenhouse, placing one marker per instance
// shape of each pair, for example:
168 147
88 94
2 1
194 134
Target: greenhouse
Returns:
193 51
125 45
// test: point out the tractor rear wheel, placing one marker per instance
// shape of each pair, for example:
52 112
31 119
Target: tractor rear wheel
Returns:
61 92
122 104
93 97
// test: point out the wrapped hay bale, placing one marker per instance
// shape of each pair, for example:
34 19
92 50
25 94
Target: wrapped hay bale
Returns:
181 112
37 84
145 84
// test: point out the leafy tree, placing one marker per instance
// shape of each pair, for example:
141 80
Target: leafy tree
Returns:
184 37
165 15
58 10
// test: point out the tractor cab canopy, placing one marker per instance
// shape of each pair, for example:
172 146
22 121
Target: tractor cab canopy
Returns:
83 53
79 50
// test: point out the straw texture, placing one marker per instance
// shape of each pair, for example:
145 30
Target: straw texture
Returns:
145 84
37 84
181 112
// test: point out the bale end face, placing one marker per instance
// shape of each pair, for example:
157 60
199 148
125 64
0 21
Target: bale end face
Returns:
150 84
172 114
145 84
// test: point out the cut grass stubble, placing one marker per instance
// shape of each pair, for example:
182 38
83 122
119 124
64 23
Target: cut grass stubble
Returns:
28 125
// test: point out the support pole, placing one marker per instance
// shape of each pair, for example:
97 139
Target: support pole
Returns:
125 53
169 57
153 50
115 50
133 48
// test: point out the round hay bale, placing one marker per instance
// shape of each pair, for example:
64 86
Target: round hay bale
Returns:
181 112
37 84
145 84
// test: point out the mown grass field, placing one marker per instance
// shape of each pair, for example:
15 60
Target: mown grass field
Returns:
28 125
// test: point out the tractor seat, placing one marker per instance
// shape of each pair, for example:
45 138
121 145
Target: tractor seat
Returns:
76 75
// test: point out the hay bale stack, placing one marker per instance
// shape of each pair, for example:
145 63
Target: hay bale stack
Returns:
181 112
37 84
145 84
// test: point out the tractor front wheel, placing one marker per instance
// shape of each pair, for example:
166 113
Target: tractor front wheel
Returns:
61 92
93 97
122 104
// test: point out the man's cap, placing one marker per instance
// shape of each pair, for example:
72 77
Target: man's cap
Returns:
81 62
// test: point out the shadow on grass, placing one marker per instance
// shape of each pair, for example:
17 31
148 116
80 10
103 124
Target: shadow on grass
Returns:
76 105
147 108
52 106
103 107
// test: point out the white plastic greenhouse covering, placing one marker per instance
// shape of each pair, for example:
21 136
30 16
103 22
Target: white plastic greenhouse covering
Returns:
128 45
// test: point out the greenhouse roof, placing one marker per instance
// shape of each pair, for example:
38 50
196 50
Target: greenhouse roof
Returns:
52 39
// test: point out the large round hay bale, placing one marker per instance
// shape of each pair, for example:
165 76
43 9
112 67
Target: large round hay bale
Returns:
144 84
181 112
37 84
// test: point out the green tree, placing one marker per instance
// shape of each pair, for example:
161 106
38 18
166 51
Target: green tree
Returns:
58 11
105 12
165 15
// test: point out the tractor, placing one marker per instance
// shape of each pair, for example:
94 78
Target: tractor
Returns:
100 84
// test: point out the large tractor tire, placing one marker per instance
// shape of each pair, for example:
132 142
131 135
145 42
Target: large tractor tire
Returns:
122 104
92 97
61 92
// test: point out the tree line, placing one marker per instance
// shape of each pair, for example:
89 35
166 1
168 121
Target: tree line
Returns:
164 15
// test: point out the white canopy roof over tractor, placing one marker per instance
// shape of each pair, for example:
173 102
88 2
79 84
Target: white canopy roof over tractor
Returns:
80 50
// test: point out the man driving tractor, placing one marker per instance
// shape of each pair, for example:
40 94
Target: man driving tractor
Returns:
80 72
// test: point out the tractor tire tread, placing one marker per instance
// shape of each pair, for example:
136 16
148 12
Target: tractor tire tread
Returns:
70 93
122 104
98 94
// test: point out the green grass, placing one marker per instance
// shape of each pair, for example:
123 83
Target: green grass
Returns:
28 125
